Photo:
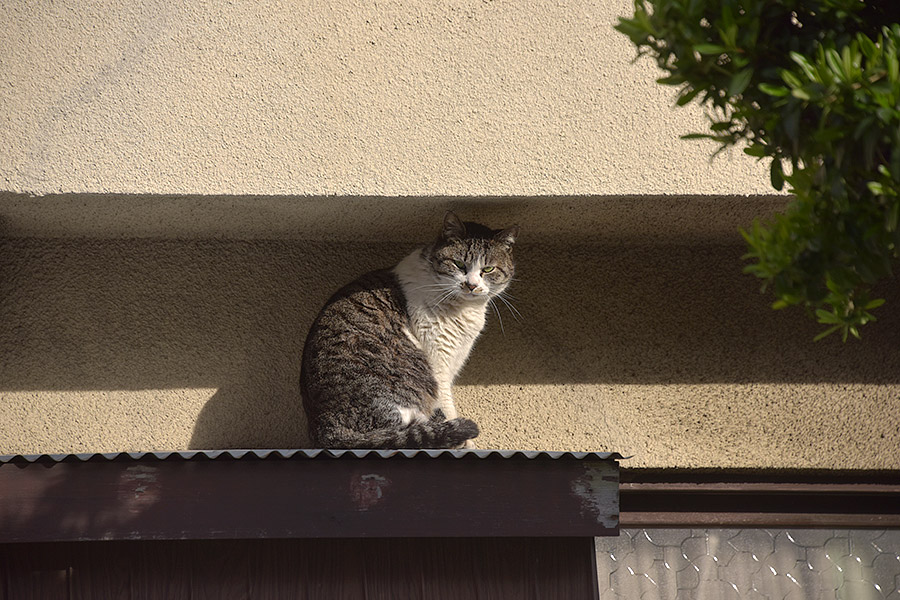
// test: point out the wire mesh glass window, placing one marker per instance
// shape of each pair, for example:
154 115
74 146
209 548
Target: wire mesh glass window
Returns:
699 564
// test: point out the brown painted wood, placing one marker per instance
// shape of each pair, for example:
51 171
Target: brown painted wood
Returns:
697 501
413 568
224 571
773 520
88 583
336 569
752 487
33 573
158 570
248 498
268 566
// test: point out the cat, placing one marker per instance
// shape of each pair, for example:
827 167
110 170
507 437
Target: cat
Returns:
381 357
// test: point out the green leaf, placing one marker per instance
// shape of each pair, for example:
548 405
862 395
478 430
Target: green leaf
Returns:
776 174
789 78
755 150
740 81
808 69
687 96
779 305
826 333
672 80
729 35
862 126
792 125
866 45
773 90
850 61
874 303
631 29
834 63
876 188
709 49
727 16
826 317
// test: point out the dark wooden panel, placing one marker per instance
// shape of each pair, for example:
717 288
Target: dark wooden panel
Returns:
335 568
338 569
233 499
512 577
396 570
567 571
223 572
89 582
278 571
448 569
159 570
36 571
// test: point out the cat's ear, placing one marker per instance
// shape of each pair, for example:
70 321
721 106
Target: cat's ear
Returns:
508 235
453 227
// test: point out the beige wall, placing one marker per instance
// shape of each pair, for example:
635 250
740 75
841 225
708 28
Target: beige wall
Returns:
377 98
182 187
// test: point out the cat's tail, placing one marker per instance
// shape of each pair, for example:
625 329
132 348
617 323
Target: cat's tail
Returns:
425 434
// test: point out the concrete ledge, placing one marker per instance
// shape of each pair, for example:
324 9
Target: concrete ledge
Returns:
639 219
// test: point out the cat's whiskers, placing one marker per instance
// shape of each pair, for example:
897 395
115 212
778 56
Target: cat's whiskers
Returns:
431 286
497 312
512 309
446 296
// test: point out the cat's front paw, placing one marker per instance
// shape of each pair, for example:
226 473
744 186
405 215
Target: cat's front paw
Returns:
468 445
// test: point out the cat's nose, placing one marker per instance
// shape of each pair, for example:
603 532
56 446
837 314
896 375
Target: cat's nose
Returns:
471 285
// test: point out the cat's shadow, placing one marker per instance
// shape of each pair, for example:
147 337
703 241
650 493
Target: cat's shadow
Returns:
231 419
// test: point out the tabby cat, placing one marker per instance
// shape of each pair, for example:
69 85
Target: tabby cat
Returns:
381 356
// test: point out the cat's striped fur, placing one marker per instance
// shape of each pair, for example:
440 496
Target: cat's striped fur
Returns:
381 356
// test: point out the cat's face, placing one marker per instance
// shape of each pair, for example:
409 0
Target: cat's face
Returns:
472 262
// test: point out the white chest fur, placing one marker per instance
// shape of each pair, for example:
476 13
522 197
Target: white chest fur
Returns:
445 329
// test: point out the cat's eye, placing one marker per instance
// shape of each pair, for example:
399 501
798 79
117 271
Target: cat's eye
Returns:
460 265
487 269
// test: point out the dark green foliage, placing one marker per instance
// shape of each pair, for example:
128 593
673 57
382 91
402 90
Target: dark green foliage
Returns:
814 87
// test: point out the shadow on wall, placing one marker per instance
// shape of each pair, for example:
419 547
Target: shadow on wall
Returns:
95 314
144 315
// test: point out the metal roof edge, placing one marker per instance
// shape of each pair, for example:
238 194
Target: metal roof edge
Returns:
304 454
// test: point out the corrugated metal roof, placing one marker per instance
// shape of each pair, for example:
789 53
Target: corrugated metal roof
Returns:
306 454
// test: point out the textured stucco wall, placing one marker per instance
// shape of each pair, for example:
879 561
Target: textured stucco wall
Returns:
406 98
654 346
181 187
